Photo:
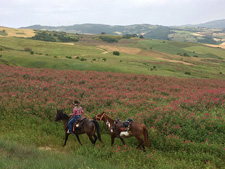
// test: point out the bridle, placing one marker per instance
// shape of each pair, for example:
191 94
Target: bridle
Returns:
100 117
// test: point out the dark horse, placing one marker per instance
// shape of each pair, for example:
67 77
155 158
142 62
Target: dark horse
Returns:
89 127
136 129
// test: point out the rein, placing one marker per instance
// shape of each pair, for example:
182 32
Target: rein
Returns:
100 117
87 116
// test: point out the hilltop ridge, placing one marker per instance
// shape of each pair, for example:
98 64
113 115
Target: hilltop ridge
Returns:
211 32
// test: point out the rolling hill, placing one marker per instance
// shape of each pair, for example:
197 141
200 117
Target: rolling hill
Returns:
58 50
211 32
177 89
218 24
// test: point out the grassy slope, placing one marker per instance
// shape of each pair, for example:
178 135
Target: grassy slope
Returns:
14 154
155 57
150 60
31 114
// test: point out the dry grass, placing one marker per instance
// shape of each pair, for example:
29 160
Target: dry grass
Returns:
131 51
68 43
12 32
217 46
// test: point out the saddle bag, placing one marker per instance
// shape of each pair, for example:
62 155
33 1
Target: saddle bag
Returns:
77 125
126 125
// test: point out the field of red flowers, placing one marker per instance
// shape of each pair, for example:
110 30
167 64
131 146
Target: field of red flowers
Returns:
183 115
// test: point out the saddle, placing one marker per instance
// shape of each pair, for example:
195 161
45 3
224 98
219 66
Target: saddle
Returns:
122 126
78 123
126 125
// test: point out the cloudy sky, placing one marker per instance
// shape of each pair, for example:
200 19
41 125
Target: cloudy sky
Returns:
19 13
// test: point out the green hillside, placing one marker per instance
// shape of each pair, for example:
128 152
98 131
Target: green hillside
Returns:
177 89
138 56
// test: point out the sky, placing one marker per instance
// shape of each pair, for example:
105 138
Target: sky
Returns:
21 13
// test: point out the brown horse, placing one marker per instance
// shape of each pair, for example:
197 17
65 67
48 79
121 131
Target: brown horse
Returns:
136 129
89 127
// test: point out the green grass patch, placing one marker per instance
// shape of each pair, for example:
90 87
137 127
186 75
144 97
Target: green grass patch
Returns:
86 55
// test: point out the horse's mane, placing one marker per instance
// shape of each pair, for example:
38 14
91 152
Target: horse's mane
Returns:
107 116
63 115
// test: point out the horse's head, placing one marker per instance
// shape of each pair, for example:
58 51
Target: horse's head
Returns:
59 114
99 116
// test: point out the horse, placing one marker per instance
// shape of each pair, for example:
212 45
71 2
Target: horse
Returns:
136 129
89 126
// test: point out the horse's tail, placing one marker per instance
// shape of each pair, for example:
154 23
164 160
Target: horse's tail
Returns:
146 136
97 129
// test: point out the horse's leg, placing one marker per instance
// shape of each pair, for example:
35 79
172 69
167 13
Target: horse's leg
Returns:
143 146
66 137
122 141
112 140
78 138
95 138
140 142
90 137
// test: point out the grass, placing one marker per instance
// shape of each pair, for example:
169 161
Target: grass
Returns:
208 51
41 147
31 139
86 55
164 46
14 155
184 118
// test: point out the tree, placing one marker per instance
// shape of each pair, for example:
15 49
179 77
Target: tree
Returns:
116 53
141 37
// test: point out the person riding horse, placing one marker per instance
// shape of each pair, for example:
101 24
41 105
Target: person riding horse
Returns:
77 113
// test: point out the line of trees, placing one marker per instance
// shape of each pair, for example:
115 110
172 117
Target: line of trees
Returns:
53 37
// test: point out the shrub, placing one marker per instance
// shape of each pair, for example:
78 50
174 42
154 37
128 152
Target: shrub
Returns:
116 53
128 36
141 37
83 59
187 73
27 49
108 39
44 36
3 32
68 57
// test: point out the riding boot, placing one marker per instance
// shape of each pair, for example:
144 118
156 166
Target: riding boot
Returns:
68 131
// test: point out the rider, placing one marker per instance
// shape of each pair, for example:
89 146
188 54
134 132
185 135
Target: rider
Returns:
77 112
